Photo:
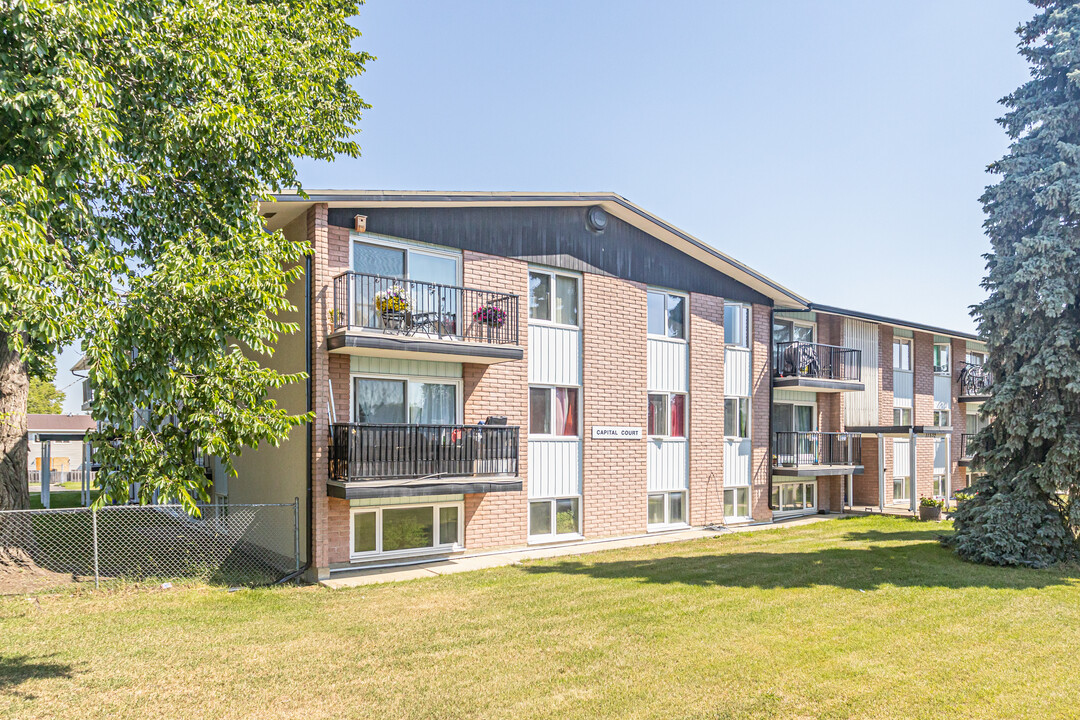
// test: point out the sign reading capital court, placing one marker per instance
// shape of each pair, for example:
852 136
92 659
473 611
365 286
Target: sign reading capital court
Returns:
606 432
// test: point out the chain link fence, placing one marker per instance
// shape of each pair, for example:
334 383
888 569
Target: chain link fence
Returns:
225 544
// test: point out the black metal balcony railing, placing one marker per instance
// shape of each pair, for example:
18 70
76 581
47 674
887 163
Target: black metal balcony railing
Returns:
966 452
363 451
814 360
795 449
975 380
411 307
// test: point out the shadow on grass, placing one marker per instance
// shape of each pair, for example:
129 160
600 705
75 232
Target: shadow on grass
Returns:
920 561
17 669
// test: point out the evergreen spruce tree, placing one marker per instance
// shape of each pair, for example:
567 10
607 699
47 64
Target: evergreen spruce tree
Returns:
1026 509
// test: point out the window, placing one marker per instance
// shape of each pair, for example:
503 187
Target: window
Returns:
941 359
737 417
554 517
553 411
737 503
667 415
666 314
798 496
939 485
975 358
974 423
405 529
901 486
405 400
668 508
941 418
736 325
553 297
901 354
789 417
901 416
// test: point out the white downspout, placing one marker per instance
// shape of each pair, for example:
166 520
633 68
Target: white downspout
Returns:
914 472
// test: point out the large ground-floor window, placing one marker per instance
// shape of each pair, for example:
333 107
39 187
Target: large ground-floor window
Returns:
798 496
667 508
406 529
737 503
554 519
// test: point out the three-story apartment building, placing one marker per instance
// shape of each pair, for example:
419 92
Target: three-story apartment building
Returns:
504 369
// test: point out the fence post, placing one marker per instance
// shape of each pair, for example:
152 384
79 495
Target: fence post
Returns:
296 532
93 523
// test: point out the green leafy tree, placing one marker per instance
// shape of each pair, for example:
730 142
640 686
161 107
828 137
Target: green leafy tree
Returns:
136 137
44 398
1025 510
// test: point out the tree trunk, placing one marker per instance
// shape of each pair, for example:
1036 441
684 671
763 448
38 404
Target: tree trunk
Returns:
14 389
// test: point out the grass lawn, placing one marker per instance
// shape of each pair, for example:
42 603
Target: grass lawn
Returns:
866 618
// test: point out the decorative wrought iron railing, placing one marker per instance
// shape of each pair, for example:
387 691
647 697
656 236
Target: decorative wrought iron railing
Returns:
411 307
367 451
815 360
796 449
974 380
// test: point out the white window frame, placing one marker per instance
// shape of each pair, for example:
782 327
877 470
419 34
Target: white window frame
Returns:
551 405
408 247
910 355
902 410
409 379
734 490
812 404
552 273
778 491
948 357
934 484
435 549
794 324
667 523
976 357
667 415
553 536
749 332
749 418
686 314
948 418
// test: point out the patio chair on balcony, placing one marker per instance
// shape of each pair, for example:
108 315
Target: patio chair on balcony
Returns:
801 360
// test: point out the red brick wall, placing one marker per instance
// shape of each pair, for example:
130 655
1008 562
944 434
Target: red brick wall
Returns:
760 410
330 257
923 414
706 409
614 376
500 518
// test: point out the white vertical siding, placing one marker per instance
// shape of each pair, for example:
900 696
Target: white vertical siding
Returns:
668 465
901 451
942 392
737 462
554 468
554 355
903 389
861 408
941 456
736 372
668 365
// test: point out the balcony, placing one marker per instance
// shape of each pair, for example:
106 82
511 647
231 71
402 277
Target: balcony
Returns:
809 454
975 382
391 317
815 367
967 455
388 460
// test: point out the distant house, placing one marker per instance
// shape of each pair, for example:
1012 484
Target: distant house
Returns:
57 452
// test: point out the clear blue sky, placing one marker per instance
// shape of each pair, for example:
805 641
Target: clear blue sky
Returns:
838 147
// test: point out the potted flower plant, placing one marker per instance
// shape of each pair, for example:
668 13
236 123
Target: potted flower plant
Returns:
489 315
392 300
930 508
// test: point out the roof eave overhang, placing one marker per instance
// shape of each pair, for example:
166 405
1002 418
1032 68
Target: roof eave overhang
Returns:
288 206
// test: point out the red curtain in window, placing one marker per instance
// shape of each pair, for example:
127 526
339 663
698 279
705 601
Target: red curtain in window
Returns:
566 411
678 416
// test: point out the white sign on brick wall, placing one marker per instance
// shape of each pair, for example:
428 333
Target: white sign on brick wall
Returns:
607 432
